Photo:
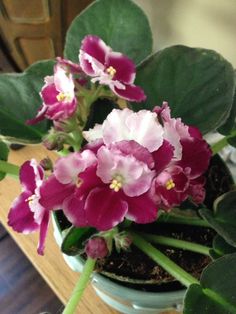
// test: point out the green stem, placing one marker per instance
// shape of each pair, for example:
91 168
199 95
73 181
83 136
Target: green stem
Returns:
181 244
9 168
161 259
174 219
80 286
218 146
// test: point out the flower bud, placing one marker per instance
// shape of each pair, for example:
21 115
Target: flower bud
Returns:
122 241
96 248
46 164
54 141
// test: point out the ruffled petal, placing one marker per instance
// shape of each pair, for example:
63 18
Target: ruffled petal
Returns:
20 216
49 94
141 209
136 150
43 233
105 209
31 175
130 93
95 47
123 66
163 156
196 155
73 208
53 193
68 168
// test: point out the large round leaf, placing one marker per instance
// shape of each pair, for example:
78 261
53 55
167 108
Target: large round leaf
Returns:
20 100
120 23
197 83
229 124
216 293
223 218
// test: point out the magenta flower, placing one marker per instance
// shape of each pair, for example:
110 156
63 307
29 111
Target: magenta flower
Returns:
121 125
180 163
27 214
108 188
109 68
31 209
59 101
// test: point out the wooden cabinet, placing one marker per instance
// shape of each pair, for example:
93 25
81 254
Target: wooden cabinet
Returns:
35 30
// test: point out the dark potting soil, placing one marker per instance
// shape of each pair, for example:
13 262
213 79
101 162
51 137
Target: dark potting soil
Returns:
132 266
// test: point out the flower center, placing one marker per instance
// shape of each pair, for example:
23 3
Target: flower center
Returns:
63 97
30 199
170 184
111 71
116 183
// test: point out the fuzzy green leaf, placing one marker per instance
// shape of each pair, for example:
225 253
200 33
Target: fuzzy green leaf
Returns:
20 101
223 218
197 83
120 23
217 290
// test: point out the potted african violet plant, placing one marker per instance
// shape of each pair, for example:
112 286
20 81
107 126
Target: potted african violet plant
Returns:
137 193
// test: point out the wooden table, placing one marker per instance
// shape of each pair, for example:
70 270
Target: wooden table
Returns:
51 266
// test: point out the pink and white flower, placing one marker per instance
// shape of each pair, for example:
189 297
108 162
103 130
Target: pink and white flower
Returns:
27 214
59 100
108 188
109 68
31 209
120 125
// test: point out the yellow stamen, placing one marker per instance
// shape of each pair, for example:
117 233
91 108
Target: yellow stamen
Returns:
63 97
79 182
30 199
111 71
116 183
170 184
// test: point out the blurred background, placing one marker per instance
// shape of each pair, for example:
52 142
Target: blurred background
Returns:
35 29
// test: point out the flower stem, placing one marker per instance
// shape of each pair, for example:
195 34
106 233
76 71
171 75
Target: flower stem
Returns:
175 219
80 286
161 259
218 146
181 244
9 168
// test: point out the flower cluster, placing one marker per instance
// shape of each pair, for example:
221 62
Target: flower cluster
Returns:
133 164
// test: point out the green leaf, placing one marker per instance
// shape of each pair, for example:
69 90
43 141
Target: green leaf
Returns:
227 127
216 293
73 243
120 23
20 101
221 247
197 83
223 218
4 151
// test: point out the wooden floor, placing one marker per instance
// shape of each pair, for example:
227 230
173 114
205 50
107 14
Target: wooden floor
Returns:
22 290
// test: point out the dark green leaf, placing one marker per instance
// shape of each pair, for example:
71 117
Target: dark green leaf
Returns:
230 122
197 83
4 151
120 23
223 218
232 141
20 100
73 242
216 293
221 247
99 111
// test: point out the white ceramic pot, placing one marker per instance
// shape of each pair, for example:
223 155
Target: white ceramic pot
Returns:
123 299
